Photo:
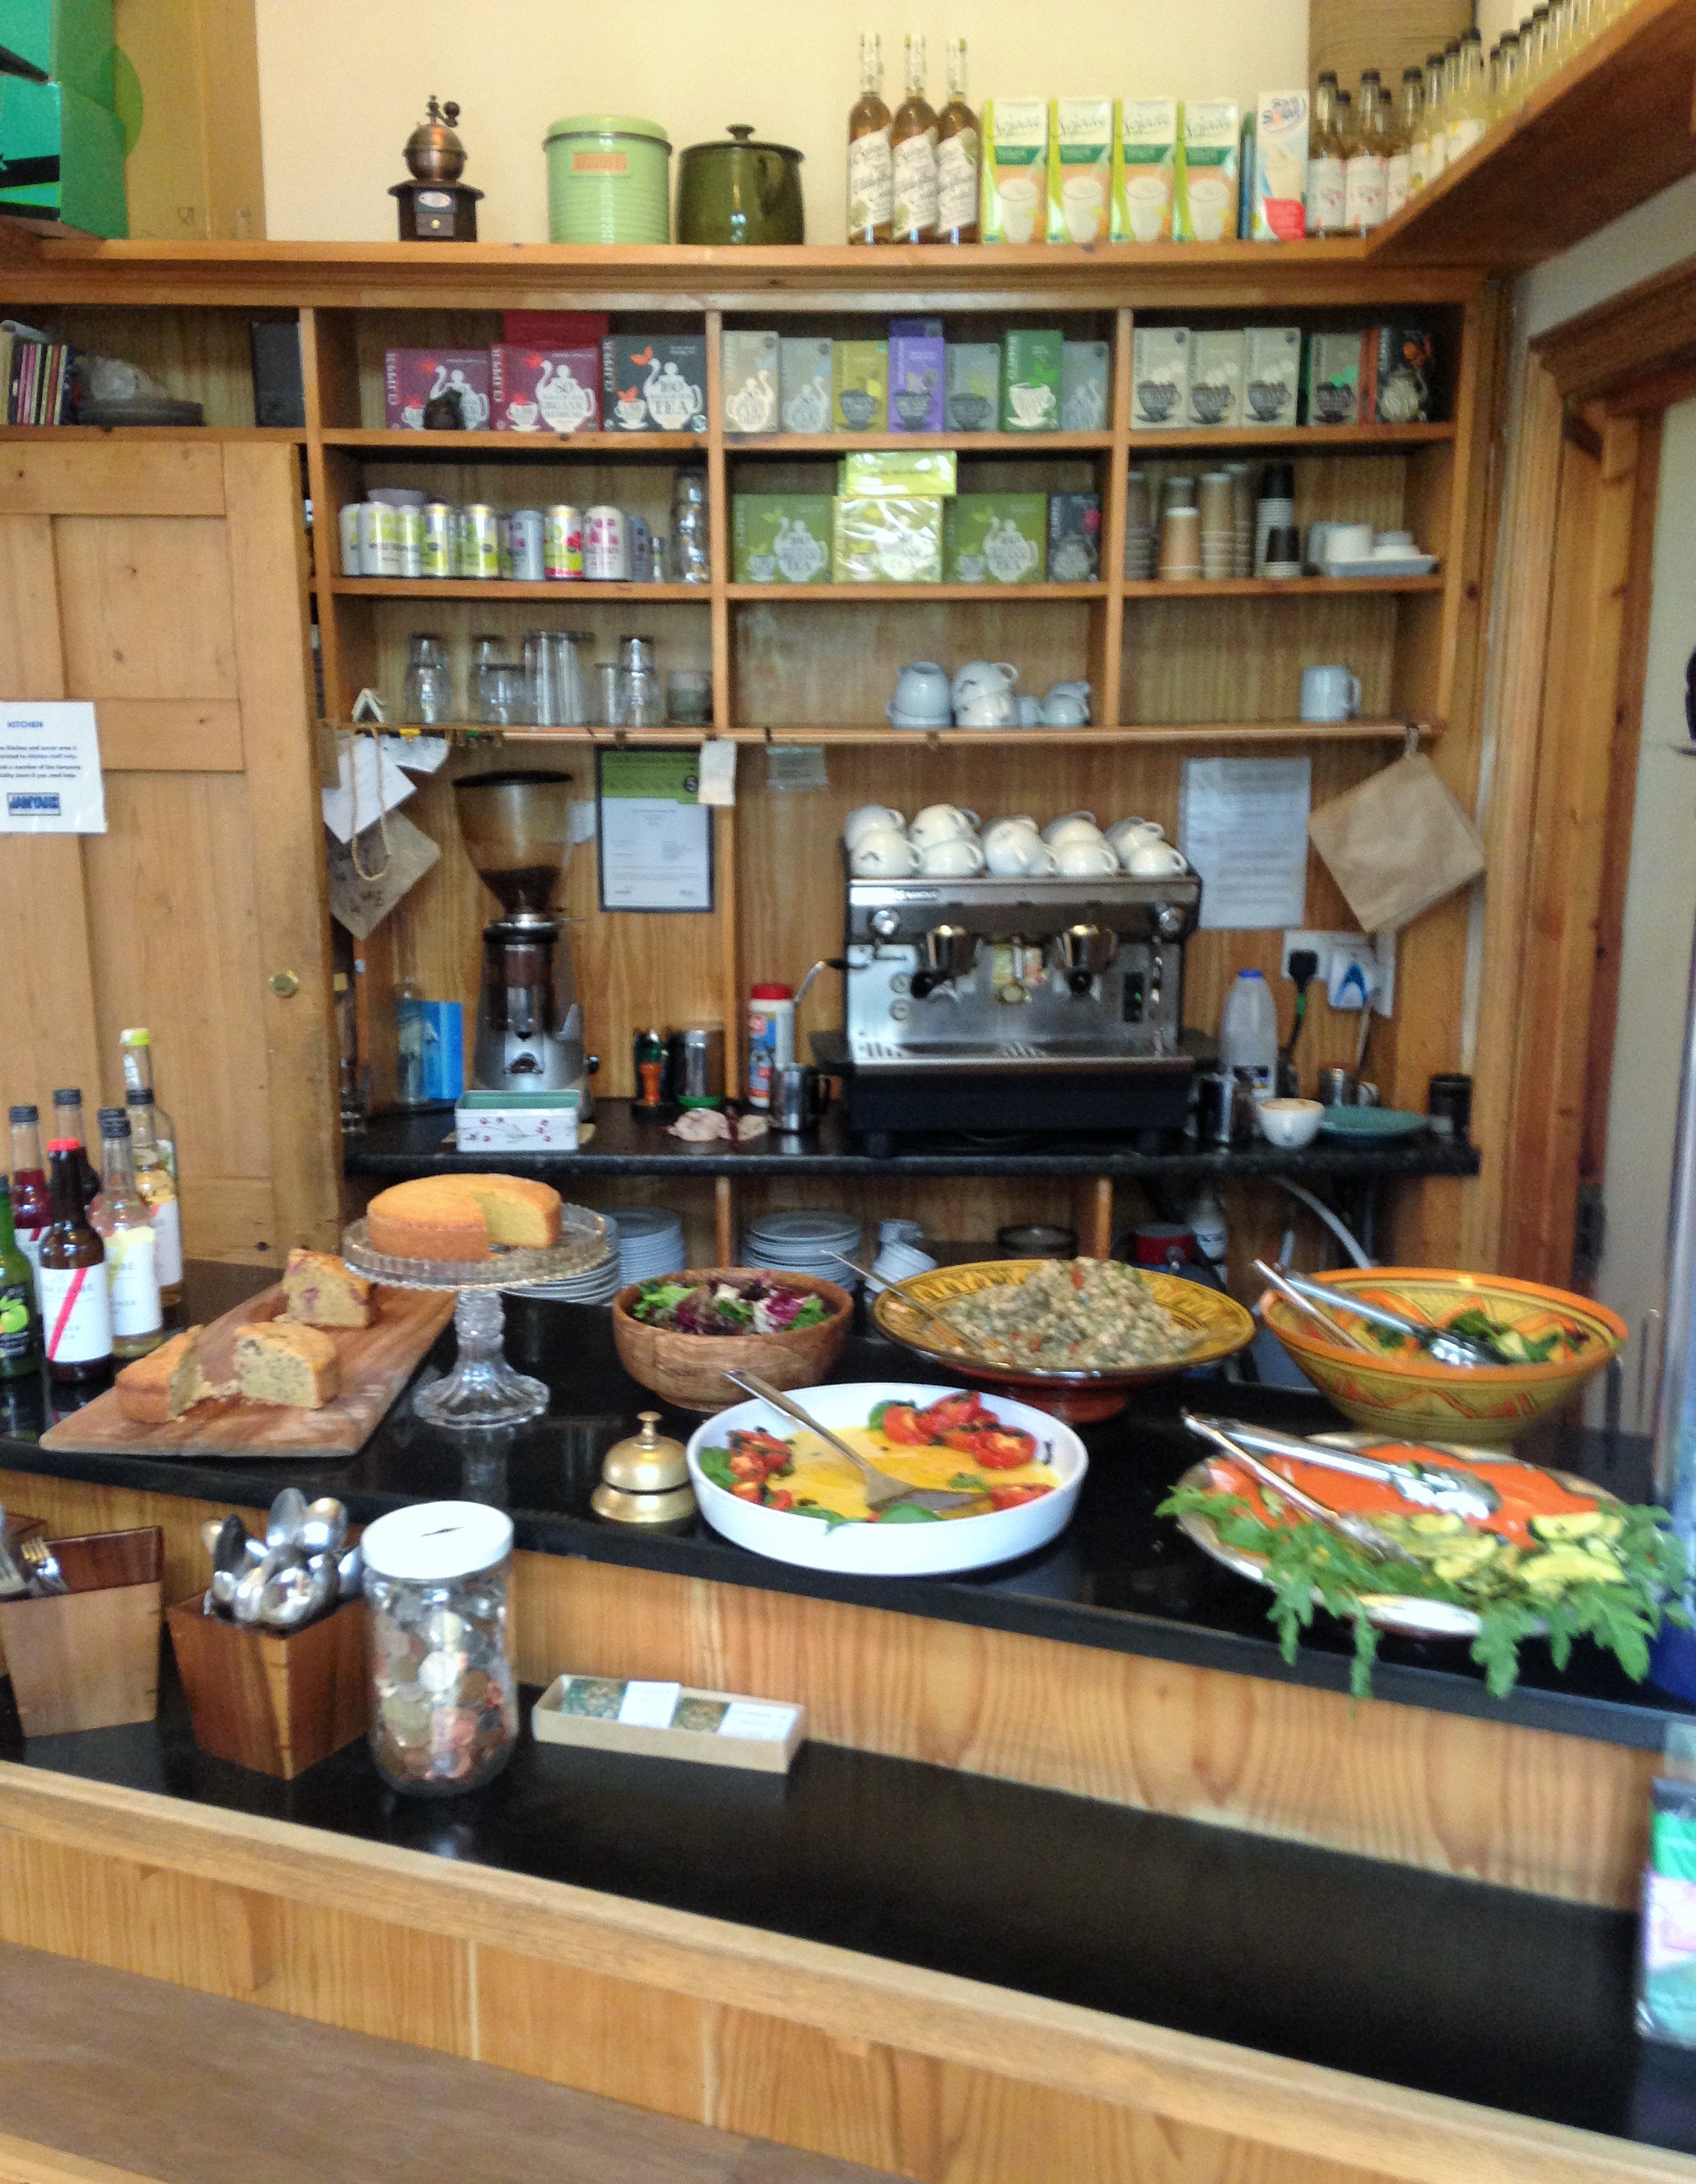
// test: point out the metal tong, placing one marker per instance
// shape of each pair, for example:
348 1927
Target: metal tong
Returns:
1441 1343
1444 1488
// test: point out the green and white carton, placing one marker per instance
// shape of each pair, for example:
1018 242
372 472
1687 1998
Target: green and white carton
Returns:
804 378
1145 170
1015 157
782 537
1030 361
859 386
995 538
1081 135
1208 181
62 159
885 541
1083 386
972 387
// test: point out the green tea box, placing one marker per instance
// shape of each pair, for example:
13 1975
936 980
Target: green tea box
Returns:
1216 357
1159 378
749 366
973 391
1079 169
62 159
1074 537
803 382
1331 379
1271 375
859 386
1145 170
887 541
1205 207
781 538
1015 163
1031 360
997 539
1083 386
71 42
893 472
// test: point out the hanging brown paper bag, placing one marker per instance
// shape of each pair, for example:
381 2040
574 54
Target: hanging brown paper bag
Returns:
1396 843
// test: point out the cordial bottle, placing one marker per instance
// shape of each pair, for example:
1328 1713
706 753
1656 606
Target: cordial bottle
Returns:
958 157
1325 168
76 1305
913 155
18 1321
68 1123
29 1208
157 1187
124 1224
871 174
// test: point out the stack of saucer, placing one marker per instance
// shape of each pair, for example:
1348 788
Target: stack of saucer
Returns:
598 1284
810 1243
650 1241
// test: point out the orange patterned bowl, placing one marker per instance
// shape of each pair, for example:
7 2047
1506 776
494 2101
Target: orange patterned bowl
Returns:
1407 1393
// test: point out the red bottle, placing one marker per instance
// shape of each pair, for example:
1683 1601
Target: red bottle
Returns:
30 1209
76 1304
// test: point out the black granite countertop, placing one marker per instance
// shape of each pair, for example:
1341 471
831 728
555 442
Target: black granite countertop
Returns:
1119 1577
393 1146
1515 2002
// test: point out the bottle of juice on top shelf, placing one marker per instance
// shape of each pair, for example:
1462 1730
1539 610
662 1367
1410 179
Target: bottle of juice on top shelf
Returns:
870 177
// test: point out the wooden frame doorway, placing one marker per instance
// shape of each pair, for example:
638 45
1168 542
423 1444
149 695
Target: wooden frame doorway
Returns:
1574 587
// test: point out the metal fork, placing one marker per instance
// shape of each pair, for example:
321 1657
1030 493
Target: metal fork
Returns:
880 1490
39 1560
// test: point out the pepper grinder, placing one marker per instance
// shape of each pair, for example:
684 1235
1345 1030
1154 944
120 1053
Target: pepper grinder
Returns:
436 206
645 1480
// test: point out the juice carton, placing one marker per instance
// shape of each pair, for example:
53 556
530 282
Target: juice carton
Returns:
1083 386
414 376
918 366
1031 358
556 390
973 400
1277 201
1333 379
1159 378
1205 209
1145 164
782 537
1271 375
748 369
1081 134
859 384
1015 157
889 542
803 382
995 538
1217 361
1074 537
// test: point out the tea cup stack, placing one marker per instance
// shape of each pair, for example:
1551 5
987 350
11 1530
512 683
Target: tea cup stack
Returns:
946 841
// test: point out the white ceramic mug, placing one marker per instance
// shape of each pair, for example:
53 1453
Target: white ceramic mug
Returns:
1019 822
1072 826
1065 709
1155 860
957 859
864 818
981 674
1329 693
922 694
883 855
941 822
1019 853
1083 858
987 708
1030 712
1128 834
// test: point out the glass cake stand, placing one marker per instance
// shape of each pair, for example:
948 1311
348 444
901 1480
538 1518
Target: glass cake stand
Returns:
483 1390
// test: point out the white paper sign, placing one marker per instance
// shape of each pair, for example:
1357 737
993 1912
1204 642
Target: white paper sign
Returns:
656 839
1242 824
649 1705
50 769
367 770
751 1718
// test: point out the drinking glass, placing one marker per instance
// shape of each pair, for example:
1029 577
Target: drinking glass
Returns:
500 694
640 701
542 679
689 698
427 699
609 694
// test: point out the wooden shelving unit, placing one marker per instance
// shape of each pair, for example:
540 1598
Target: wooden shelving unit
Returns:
1147 732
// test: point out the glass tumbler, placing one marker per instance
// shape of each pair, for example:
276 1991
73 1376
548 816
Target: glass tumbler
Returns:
427 697
609 694
689 698
542 679
500 695
437 1577
642 704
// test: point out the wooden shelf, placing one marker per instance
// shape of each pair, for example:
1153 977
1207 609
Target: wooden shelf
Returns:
1605 132
870 594
1267 588
546 447
918 444
576 592
1218 731
222 435
1305 439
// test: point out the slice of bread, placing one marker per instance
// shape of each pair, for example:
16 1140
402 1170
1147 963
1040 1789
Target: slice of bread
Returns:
320 1291
165 1383
278 1360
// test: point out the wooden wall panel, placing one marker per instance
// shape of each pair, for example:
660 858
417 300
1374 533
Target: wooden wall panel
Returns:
124 582
607 2036
117 478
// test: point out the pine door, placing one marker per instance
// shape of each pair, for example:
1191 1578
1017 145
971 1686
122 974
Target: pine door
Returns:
166 580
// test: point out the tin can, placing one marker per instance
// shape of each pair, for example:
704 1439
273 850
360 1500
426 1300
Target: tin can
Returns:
352 561
477 542
524 559
641 549
697 1066
770 1039
562 541
606 546
435 550
409 521
379 539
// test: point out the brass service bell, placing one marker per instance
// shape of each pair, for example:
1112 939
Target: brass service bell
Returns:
645 1480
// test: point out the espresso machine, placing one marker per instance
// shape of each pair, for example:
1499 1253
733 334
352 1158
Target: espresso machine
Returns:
992 1006
516 829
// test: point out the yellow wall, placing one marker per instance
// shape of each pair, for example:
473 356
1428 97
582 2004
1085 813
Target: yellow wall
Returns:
342 82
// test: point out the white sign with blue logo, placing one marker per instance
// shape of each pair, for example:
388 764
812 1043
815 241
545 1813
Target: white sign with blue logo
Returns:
50 770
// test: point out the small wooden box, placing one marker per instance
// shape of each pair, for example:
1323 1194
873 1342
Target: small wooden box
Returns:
274 1701
89 1658
601 1732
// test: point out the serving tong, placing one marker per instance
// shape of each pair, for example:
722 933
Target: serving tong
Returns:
880 1490
1445 1488
1442 1344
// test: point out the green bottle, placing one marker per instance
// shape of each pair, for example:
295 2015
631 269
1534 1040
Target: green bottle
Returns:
19 1328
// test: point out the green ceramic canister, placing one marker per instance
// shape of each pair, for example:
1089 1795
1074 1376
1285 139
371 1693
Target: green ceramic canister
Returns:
609 180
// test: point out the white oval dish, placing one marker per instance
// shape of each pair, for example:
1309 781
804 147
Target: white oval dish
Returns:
957 1543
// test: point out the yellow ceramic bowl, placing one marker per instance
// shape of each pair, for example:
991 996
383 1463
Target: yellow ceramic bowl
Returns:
1409 1393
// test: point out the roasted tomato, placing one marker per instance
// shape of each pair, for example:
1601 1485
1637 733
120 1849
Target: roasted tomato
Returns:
779 1498
902 1423
951 1411
994 1447
1010 1497
748 1490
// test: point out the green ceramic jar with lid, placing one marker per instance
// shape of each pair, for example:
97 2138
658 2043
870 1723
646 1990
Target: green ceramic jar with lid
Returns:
609 180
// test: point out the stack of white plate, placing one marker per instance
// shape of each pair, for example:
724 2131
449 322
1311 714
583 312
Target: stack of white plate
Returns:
596 1285
803 1243
650 1241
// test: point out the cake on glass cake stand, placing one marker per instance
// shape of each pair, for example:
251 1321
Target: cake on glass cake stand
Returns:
483 1390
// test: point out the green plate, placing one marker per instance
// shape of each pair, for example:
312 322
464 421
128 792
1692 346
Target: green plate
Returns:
1372 1123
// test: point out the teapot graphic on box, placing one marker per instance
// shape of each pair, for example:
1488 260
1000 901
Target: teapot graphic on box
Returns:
798 554
565 404
753 408
672 402
1007 551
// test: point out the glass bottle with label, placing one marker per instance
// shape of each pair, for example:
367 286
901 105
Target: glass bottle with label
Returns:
19 1327
138 1076
1508 90
913 155
1409 120
29 1209
68 1123
870 181
1468 112
1345 136
157 1187
1366 176
959 157
1434 144
124 1223
1324 166
76 1305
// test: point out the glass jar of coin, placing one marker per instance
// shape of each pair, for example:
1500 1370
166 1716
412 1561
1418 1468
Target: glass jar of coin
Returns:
446 1717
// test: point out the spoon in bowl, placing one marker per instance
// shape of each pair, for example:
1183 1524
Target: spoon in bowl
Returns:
880 1490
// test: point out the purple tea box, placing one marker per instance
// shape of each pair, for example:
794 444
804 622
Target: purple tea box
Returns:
918 376
553 390
414 376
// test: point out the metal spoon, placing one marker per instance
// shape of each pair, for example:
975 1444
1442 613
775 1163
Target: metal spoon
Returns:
1360 1531
956 1339
350 1568
1445 1488
1441 1343
324 1526
880 1490
246 1604
1301 1298
288 1514
229 1560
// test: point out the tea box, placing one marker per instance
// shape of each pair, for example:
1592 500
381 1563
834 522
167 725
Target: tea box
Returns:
414 376
655 382
895 472
1074 537
973 393
534 390
1015 159
1159 378
1145 160
995 538
880 540
1271 375
918 369
1204 206
1079 169
1277 201
1215 377
1030 360
859 386
1083 386
749 368
1331 379
781 538
1398 375
804 380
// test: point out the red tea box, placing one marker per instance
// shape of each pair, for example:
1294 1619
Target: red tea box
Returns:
555 329
414 376
554 390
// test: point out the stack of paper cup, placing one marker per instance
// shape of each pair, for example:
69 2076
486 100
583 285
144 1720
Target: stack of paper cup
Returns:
1139 528
1180 529
1218 542
1242 519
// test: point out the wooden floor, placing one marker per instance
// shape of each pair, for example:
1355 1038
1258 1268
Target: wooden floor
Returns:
106 2078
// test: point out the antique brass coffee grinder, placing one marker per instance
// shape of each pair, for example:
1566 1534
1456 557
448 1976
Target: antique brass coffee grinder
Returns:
436 206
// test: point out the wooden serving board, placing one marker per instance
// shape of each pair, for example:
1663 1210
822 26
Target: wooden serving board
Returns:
376 1363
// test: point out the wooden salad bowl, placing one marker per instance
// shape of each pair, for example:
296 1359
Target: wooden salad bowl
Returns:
688 1370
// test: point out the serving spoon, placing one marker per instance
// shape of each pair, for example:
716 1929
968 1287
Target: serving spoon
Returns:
956 1339
880 1490
1441 1343
1450 1490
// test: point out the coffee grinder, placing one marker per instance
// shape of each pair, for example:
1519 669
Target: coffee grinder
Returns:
516 829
